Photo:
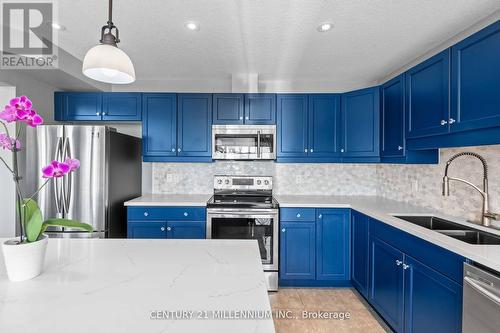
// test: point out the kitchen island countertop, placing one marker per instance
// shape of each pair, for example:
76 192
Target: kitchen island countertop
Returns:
131 285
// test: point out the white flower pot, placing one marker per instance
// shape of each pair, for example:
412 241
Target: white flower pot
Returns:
24 261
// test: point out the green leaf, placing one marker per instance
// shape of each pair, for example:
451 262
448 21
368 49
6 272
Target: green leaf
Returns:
66 223
32 218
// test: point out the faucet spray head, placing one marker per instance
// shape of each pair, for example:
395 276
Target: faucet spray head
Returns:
446 186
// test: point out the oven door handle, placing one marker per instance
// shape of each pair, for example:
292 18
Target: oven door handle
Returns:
235 215
258 144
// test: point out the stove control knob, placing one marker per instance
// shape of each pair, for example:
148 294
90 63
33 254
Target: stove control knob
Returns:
266 182
227 181
258 182
219 181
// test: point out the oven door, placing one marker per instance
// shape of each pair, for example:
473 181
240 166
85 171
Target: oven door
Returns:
243 142
261 225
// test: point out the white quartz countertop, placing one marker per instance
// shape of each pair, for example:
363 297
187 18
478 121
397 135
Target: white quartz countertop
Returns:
116 285
170 200
382 210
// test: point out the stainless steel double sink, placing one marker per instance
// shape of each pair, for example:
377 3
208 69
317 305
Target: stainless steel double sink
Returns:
454 230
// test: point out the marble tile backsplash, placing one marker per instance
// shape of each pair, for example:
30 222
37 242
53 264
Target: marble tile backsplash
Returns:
417 184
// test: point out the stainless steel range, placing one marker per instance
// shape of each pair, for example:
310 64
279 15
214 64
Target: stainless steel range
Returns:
243 207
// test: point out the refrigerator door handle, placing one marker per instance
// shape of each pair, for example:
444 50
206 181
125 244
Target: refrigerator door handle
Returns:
67 180
57 181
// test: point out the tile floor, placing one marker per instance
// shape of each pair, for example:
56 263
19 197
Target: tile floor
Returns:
331 302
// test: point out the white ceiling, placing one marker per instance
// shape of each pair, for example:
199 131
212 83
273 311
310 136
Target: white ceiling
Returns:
275 38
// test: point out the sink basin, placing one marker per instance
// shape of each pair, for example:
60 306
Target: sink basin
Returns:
454 230
433 223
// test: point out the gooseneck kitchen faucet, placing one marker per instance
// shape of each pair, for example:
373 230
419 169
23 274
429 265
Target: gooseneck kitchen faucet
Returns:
486 215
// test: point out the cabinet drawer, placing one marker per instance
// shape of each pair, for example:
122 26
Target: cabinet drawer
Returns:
166 213
298 214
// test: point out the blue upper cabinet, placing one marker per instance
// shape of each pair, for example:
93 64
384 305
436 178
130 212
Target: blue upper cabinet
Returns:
475 97
393 118
95 106
228 109
194 125
360 252
292 129
427 96
333 239
260 109
78 106
361 123
159 126
121 106
324 125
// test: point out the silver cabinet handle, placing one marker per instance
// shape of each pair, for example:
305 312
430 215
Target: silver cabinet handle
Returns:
443 122
241 118
169 228
104 113
342 150
283 230
405 266
179 150
173 149
146 214
185 214
305 150
451 121
247 117
298 214
320 216
162 228
400 148
398 262
311 151
97 113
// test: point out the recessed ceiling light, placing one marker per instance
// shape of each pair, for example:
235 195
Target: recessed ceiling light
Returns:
58 26
193 26
325 26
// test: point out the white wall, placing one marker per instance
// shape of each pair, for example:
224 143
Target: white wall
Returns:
8 190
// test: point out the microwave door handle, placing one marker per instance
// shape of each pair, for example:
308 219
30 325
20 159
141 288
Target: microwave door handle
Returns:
258 144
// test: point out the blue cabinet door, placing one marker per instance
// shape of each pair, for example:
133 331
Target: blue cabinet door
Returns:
433 303
78 106
194 125
361 123
159 125
186 229
292 125
332 244
324 125
228 109
427 96
146 229
475 97
298 251
393 118
387 282
260 109
119 106
360 252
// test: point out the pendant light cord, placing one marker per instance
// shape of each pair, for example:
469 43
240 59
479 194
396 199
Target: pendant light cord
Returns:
110 13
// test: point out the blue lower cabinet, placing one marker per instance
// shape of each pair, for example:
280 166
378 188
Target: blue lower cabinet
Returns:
185 230
146 229
166 222
332 244
433 303
298 251
387 282
360 252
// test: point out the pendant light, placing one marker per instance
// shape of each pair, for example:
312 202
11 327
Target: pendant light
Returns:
106 62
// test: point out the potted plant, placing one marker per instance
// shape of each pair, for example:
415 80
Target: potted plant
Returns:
24 256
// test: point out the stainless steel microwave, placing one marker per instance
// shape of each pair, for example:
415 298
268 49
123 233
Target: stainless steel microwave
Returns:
244 142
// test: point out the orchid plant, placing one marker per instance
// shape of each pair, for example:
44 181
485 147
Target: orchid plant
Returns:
32 225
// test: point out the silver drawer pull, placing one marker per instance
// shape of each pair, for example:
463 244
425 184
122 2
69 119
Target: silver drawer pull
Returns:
185 214
320 216
452 121
405 266
162 228
298 214
443 122
398 262
169 228
146 214
283 230
400 148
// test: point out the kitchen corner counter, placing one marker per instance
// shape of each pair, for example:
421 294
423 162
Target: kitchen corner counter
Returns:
117 285
382 210
170 200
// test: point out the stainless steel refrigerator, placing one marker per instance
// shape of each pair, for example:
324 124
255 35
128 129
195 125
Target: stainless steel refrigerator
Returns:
110 173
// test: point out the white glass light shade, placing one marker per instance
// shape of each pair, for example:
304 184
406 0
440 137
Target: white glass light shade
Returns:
107 63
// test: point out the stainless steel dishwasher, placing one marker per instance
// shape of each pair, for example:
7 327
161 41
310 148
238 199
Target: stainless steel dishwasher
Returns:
481 300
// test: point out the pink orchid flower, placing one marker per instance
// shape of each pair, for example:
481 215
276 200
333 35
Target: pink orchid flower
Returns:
21 103
58 169
8 114
7 142
20 109
30 117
